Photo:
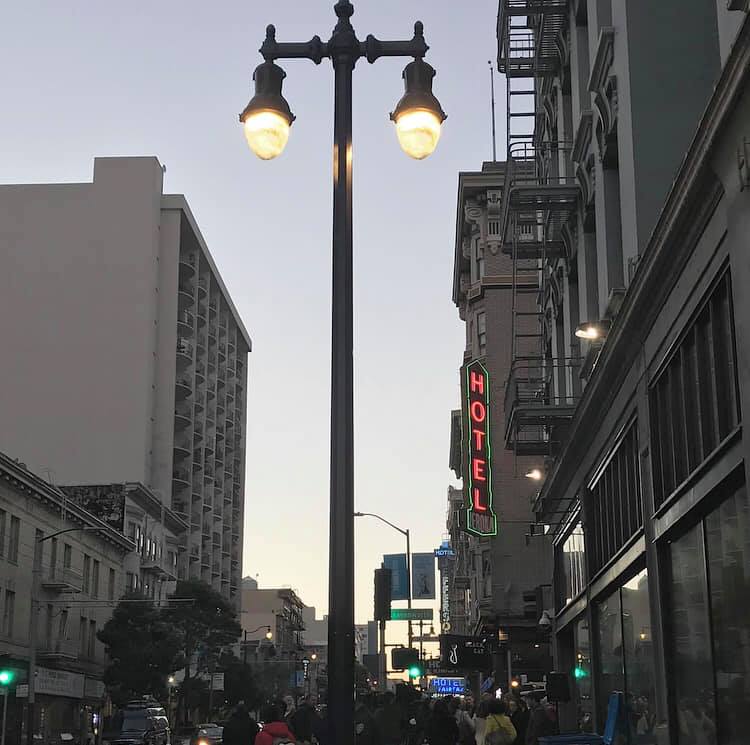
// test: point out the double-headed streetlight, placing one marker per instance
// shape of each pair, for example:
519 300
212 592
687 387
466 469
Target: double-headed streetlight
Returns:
267 119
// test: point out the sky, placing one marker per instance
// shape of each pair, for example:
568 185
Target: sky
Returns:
92 78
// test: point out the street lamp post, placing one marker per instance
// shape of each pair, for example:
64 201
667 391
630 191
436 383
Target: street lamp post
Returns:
269 636
266 120
408 557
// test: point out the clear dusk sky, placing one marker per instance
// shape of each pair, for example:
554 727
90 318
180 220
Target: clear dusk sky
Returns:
88 78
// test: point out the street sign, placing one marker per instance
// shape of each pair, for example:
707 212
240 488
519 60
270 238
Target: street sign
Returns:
22 690
217 682
411 614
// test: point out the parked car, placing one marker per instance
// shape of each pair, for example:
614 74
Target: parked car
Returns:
140 722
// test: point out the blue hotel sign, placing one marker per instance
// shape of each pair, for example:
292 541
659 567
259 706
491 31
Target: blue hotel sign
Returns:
448 686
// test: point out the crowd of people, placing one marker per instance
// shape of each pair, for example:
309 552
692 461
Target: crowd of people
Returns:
404 718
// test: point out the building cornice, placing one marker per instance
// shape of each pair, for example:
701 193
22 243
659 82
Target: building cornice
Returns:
694 195
24 480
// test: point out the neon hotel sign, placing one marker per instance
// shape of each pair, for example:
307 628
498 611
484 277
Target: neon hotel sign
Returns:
479 513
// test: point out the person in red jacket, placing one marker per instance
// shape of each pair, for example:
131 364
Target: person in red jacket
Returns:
275 730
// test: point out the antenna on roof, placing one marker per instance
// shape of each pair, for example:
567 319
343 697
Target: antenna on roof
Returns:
492 94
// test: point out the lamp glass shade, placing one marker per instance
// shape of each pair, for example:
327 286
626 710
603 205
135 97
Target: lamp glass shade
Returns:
269 635
589 332
418 132
267 133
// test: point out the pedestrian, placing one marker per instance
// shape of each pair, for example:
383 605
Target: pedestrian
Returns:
465 722
240 728
499 730
519 715
365 727
442 728
303 721
480 718
275 730
542 722
389 720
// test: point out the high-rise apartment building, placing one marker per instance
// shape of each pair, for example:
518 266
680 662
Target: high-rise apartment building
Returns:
626 214
500 567
125 360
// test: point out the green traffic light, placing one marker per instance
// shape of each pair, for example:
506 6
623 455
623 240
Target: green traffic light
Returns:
415 671
6 677
579 673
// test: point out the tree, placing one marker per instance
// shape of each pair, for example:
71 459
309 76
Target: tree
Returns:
205 625
239 682
142 647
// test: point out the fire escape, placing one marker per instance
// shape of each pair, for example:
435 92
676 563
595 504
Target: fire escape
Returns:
540 196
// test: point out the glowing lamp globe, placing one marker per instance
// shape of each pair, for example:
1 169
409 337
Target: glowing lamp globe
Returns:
267 118
418 116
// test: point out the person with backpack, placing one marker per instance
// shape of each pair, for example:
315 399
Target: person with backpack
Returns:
241 728
275 730
499 730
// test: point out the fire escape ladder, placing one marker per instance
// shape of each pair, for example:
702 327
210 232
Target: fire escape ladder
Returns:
540 196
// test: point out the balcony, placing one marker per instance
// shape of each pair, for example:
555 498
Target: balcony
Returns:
181 451
185 300
59 579
183 387
202 287
181 508
60 650
188 264
195 553
181 477
538 407
185 350
186 323
182 418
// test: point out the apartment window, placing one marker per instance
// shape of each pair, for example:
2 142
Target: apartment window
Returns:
67 556
62 628
616 501
482 332
9 612
95 580
111 585
92 640
86 573
15 530
52 557
3 515
83 628
694 402
132 532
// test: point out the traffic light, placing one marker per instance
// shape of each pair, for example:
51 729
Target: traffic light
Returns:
6 677
579 672
404 658
383 594
416 671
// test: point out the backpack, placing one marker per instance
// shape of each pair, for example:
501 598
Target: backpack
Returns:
499 736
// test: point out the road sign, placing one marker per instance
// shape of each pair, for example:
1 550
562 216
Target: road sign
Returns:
411 614
22 690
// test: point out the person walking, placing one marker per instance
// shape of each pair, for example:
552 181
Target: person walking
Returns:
389 720
519 715
303 721
499 730
241 728
442 728
275 730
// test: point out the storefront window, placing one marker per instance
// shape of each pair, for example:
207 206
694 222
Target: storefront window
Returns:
626 657
582 676
711 626
611 672
728 545
573 566
639 659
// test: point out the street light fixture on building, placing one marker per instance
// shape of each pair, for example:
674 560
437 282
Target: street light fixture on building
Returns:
266 121
593 330
535 474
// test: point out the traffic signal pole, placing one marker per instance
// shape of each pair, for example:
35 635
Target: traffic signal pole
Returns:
5 713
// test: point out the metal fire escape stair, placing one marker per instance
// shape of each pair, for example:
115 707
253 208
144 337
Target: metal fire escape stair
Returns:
537 202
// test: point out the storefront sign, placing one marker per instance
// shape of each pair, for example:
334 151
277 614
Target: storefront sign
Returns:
448 686
479 515
445 602
58 683
445 552
464 653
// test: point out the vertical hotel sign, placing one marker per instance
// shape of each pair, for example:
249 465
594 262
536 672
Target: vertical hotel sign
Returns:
479 513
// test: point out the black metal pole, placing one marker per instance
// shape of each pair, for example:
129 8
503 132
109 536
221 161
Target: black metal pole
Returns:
341 546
